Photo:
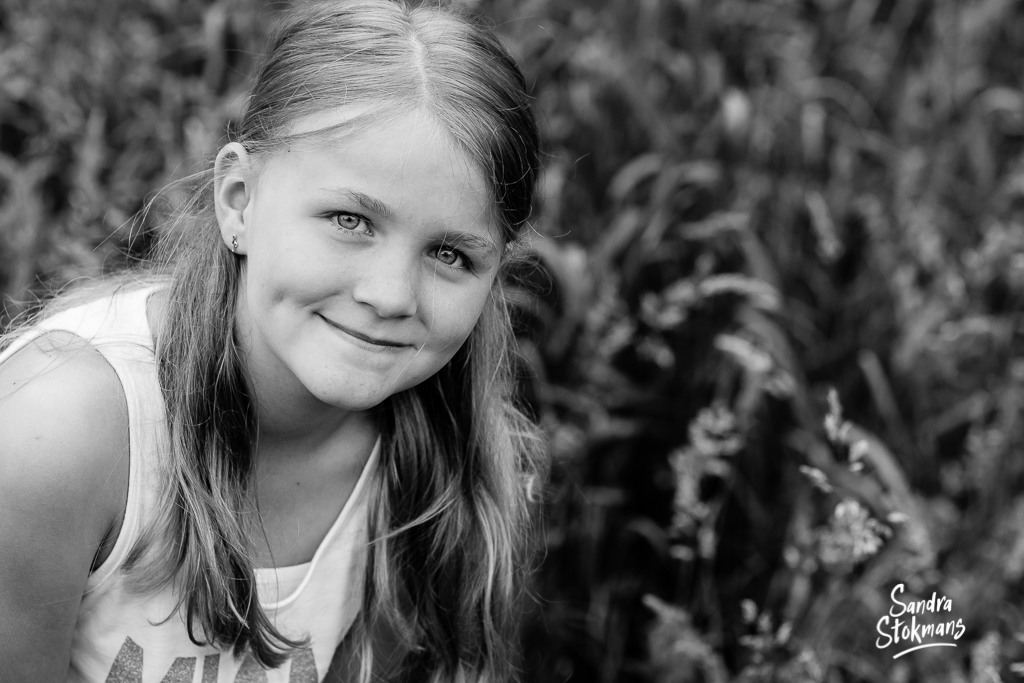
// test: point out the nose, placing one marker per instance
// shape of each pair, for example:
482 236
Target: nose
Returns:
388 284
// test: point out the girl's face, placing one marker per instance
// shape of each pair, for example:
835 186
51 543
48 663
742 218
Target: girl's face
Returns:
368 259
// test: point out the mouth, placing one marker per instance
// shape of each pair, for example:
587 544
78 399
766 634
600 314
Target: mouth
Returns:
382 343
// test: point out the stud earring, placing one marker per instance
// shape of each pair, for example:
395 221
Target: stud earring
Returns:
234 244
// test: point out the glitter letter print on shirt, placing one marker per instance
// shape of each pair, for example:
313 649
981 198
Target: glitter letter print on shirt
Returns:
127 668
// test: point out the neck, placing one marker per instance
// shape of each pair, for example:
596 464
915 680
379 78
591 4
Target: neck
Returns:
293 424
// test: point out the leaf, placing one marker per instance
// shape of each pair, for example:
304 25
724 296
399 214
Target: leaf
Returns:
633 173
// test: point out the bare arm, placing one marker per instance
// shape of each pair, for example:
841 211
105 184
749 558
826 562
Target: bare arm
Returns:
63 476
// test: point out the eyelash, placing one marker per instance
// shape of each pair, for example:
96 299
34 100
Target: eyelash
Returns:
338 214
467 263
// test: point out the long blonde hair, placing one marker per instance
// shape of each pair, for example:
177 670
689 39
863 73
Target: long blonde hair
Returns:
450 522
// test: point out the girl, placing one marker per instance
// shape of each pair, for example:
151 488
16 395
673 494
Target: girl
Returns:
297 424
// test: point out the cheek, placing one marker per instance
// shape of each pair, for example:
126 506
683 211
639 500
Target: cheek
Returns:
284 270
453 318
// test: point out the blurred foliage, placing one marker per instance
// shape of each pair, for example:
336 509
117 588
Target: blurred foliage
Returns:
102 104
775 336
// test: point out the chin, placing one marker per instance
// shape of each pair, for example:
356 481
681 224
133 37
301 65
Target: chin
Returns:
351 388
349 396
352 403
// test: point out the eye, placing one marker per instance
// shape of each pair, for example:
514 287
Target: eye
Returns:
351 222
453 258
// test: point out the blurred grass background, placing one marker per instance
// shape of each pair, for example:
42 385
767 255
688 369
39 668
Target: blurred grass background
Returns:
746 205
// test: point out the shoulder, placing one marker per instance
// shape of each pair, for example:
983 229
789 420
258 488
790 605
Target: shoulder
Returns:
64 426
58 384
63 476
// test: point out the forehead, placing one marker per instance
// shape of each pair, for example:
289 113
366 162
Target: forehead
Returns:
404 133
387 151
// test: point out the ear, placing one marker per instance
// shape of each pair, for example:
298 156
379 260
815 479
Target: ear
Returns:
233 184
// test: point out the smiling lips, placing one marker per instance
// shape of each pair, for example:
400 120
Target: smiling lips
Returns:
386 343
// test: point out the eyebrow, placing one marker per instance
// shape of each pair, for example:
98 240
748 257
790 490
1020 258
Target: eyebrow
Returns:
365 201
456 238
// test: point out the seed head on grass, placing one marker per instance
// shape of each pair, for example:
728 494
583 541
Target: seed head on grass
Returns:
851 536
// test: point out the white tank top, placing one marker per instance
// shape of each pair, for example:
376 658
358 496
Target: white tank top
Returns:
123 637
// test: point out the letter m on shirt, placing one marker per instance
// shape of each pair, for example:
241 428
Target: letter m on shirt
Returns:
127 668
